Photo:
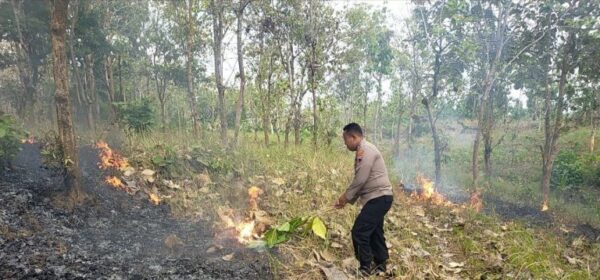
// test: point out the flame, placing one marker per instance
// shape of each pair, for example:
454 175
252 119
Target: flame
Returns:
545 206
29 140
114 181
428 192
253 194
245 229
476 201
109 159
154 198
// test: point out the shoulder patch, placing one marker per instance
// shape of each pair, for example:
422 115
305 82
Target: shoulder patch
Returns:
360 154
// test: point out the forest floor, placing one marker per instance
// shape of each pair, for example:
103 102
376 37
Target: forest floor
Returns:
119 235
112 236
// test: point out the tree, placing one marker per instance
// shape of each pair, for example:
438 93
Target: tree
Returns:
66 131
24 25
239 106
437 41
217 9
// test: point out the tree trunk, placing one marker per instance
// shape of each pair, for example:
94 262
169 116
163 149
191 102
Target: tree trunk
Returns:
239 106
79 84
377 130
189 64
110 84
63 103
396 148
552 130
432 121
217 19
90 93
313 89
592 133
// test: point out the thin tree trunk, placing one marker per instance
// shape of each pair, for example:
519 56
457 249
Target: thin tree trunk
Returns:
552 131
432 121
217 14
110 84
396 148
239 106
63 103
190 77
592 133
313 89
90 93
377 124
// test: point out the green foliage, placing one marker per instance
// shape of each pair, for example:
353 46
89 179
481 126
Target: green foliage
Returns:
166 161
571 170
10 134
568 171
283 232
137 116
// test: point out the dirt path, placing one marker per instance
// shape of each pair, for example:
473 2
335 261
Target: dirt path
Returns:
115 237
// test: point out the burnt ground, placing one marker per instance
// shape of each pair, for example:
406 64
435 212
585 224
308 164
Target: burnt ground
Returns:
113 236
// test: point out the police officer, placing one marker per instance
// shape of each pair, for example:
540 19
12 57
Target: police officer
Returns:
372 187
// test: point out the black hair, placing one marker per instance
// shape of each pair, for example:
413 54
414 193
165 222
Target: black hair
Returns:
353 128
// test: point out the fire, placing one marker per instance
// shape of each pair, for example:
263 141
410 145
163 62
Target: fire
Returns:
154 198
545 206
109 159
29 140
245 229
253 194
428 192
114 181
476 201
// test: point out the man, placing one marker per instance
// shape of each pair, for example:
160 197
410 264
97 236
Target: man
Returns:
372 187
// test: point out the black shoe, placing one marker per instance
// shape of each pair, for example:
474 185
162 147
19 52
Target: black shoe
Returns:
365 271
380 268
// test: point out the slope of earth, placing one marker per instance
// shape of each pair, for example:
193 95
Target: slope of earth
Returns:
113 236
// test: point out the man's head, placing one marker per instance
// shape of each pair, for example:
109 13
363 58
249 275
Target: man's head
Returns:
353 134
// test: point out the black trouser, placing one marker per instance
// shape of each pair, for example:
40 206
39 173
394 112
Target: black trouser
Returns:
367 232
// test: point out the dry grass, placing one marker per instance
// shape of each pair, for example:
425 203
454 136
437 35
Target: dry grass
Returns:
426 241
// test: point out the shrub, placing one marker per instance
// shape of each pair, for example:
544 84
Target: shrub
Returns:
567 172
137 116
10 137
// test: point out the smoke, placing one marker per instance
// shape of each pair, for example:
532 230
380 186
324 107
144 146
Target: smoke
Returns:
419 159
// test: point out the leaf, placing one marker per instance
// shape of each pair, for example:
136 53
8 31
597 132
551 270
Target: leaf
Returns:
295 223
455 264
284 227
228 257
318 228
148 172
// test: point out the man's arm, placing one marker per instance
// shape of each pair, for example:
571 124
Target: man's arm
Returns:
361 174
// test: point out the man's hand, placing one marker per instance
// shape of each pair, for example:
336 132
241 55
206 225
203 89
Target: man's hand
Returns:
341 202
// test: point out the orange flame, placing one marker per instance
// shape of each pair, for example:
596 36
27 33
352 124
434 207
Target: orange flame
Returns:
253 194
114 181
476 201
109 159
428 192
154 198
29 140
545 206
246 229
